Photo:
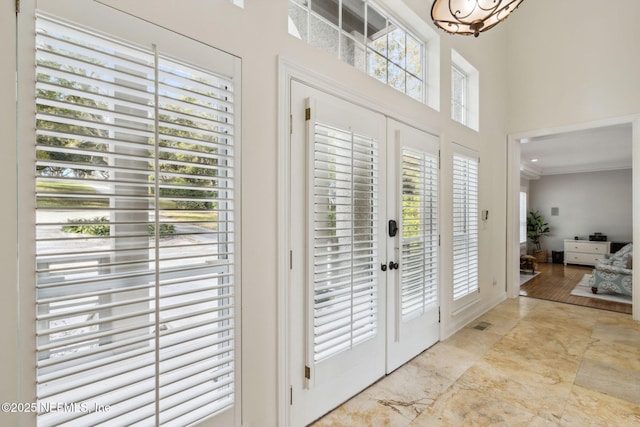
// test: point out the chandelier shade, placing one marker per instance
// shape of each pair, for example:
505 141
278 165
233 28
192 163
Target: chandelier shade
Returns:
468 17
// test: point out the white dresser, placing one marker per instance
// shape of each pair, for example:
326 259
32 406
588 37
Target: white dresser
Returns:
584 251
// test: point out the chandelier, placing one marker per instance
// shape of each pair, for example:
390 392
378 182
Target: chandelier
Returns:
471 16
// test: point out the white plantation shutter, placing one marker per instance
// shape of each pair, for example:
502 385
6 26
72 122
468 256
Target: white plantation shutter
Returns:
135 225
465 225
344 206
419 272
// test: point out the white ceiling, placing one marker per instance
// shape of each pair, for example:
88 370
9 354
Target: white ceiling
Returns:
598 149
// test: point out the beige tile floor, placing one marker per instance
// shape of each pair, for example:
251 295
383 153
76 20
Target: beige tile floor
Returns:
537 363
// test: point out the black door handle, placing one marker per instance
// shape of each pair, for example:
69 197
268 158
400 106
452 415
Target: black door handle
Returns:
393 265
393 228
383 267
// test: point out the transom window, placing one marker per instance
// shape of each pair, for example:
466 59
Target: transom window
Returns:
459 95
465 92
363 35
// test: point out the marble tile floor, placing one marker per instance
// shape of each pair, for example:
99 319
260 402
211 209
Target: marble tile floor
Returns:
535 363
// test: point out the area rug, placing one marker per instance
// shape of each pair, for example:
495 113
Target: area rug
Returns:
583 289
525 277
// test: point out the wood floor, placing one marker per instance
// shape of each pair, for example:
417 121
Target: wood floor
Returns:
555 283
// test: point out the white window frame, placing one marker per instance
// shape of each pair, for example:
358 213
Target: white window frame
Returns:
459 95
401 17
470 102
465 242
26 159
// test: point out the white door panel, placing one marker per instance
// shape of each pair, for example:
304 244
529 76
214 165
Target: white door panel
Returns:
412 288
337 303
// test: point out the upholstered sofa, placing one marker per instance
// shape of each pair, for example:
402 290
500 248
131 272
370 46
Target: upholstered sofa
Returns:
613 273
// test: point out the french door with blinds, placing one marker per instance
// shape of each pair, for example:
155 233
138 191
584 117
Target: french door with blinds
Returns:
412 300
136 282
357 286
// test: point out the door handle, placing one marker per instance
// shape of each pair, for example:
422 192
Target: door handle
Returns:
383 267
393 265
393 228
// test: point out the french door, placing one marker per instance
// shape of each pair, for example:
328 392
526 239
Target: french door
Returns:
412 298
363 249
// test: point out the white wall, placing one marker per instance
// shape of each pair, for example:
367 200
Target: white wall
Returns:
8 215
258 35
572 61
588 202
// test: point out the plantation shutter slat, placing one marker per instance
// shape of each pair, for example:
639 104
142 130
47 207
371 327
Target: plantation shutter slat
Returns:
135 223
465 225
419 273
344 204
91 91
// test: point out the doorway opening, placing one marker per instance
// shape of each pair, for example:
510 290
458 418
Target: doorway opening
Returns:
600 140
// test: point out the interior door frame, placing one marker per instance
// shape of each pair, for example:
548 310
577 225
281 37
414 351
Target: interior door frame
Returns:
513 190
290 70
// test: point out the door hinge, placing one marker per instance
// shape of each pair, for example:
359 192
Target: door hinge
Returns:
439 316
290 395
307 372
438 159
438 240
290 260
307 114
17 6
290 124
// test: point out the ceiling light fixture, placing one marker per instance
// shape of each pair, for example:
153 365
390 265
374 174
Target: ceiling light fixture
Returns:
471 16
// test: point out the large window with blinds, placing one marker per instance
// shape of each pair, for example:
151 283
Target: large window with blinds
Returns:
136 224
465 226
344 206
